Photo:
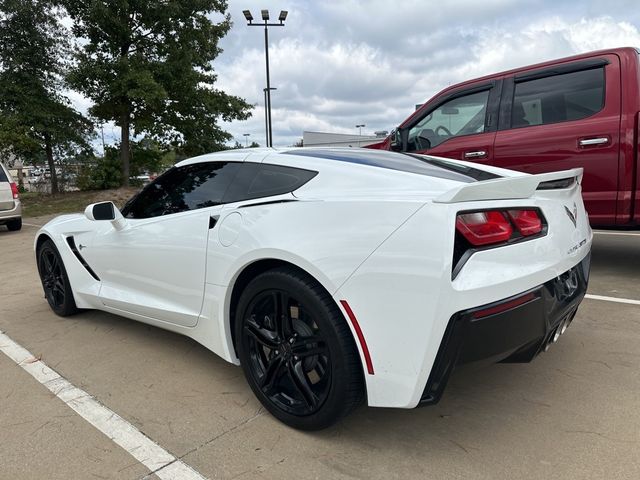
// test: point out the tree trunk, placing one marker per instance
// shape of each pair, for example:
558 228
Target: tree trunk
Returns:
52 168
125 150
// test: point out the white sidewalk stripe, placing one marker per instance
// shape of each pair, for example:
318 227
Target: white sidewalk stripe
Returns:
612 299
163 464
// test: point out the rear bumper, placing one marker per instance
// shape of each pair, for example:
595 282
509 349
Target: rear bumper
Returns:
515 329
11 213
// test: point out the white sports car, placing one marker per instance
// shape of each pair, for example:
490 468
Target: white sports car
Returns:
334 276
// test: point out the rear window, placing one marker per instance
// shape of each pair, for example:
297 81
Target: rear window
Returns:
257 180
419 164
3 176
559 98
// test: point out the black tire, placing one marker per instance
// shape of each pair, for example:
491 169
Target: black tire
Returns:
312 342
14 225
55 281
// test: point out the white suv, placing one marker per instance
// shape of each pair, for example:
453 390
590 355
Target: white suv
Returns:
10 207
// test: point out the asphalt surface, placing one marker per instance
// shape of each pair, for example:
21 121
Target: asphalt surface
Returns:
572 413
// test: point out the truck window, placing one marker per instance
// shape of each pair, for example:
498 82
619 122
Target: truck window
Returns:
459 116
560 98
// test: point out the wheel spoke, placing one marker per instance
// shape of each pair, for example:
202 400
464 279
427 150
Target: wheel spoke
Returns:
271 374
302 384
263 336
54 264
46 260
282 317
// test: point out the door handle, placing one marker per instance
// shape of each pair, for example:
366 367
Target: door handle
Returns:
588 142
476 154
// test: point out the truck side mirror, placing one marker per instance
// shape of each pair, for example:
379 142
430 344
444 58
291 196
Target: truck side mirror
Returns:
396 140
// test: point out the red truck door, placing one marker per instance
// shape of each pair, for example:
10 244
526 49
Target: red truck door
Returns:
562 117
460 124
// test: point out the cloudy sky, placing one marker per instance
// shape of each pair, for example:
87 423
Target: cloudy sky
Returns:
337 64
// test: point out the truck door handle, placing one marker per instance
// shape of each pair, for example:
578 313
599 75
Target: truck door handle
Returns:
476 154
588 142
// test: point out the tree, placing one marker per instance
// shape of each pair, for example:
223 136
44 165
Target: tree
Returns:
35 118
146 65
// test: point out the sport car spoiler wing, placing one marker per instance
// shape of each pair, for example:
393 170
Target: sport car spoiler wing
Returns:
505 188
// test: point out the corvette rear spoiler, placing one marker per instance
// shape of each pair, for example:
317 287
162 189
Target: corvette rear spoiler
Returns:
506 188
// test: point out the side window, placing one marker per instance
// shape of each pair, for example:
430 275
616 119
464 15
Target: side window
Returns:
257 180
459 116
560 98
181 189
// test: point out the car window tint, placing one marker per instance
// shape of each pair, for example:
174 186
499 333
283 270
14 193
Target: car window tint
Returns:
559 98
256 180
3 176
185 188
459 116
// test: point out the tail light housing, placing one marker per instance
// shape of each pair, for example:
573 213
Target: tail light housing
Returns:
14 190
482 229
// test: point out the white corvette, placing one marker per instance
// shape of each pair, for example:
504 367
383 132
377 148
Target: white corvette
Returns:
334 275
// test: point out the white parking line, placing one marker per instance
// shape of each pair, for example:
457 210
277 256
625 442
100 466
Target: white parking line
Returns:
612 299
624 234
31 224
142 448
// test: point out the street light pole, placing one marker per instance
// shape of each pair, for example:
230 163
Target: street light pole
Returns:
267 91
267 110
246 139
360 129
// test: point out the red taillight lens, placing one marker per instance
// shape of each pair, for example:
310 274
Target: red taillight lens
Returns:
528 222
14 189
484 228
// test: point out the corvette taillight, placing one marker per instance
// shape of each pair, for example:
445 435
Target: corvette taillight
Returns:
528 222
14 190
484 228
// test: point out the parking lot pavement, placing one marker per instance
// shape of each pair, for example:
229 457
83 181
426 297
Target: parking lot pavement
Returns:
572 413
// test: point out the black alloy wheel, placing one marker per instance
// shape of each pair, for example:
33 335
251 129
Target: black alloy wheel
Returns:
55 281
296 350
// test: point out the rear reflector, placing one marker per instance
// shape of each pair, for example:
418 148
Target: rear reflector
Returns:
484 228
528 222
14 190
503 307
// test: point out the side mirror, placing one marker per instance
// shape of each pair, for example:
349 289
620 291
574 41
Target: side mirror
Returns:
396 140
105 211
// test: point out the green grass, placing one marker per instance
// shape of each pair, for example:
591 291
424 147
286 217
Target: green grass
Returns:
38 204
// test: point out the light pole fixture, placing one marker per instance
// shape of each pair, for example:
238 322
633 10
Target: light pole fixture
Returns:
360 129
267 124
265 17
246 139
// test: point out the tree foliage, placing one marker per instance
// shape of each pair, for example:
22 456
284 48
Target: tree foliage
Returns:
35 117
146 65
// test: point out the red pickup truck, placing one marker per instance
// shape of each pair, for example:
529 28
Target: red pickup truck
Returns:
581 111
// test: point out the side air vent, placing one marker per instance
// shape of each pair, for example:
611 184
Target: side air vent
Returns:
74 249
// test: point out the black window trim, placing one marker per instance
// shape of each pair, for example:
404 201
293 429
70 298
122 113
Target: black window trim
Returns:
491 115
508 90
